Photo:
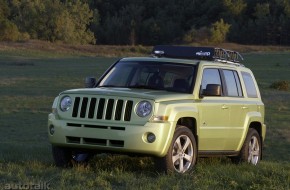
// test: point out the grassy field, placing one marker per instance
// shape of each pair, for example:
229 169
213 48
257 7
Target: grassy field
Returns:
30 81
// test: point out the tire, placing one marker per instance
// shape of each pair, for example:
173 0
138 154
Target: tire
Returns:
182 153
64 157
251 151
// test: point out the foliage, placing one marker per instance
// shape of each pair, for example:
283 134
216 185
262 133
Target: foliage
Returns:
59 21
219 31
4 10
235 7
9 31
201 35
149 22
280 85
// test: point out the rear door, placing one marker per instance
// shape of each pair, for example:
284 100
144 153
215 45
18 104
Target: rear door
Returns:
237 109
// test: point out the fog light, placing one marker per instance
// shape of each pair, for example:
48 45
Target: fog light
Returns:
151 137
51 129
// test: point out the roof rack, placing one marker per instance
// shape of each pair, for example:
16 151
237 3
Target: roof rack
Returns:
203 53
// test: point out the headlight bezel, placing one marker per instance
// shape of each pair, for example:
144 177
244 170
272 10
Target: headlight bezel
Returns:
144 108
65 103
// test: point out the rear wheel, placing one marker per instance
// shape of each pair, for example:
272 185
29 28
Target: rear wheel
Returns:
251 151
64 157
182 153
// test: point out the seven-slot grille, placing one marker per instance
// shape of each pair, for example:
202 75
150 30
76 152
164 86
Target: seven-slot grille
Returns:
102 108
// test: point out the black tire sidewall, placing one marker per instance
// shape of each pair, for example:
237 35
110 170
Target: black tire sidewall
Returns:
61 156
244 154
179 131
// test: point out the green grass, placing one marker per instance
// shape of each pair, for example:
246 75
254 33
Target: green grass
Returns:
29 83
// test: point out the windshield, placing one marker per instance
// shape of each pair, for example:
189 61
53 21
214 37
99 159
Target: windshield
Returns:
150 75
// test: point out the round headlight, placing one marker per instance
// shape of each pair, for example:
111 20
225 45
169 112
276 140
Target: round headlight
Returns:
65 103
144 108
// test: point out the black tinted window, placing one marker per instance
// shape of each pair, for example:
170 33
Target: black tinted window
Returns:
233 83
250 85
238 82
210 76
150 75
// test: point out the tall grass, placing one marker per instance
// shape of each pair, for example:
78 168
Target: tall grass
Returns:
29 84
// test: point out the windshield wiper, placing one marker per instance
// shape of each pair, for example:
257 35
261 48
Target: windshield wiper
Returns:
109 86
133 86
144 87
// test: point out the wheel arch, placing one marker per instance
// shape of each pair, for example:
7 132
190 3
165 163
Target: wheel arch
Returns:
254 121
191 123
257 126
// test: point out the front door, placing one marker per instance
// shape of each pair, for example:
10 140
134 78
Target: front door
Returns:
214 115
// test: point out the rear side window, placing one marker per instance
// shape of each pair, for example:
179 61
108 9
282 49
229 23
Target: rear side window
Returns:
250 85
233 83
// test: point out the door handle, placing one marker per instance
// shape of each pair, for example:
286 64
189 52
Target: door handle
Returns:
244 107
224 107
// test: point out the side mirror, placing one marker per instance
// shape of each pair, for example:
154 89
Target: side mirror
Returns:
212 90
90 82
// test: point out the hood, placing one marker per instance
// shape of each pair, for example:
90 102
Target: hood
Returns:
156 95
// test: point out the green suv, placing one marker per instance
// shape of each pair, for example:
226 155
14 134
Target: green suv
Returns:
177 105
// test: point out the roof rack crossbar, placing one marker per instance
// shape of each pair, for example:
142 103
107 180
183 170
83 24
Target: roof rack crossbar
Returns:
220 53
228 55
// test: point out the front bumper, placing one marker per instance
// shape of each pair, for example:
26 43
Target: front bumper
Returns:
102 136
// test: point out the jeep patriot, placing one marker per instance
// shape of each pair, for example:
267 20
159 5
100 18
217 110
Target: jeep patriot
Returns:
177 105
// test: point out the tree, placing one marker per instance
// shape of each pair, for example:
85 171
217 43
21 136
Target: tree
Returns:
95 23
148 22
219 31
113 31
263 23
235 7
81 16
132 18
8 30
59 21
150 32
4 10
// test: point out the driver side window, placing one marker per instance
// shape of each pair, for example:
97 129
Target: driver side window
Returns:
210 77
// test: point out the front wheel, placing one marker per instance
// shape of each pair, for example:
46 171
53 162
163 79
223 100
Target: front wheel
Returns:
182 153
251 151
64 157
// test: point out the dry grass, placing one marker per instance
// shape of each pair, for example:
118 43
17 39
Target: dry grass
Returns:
21 103
118 51
88 50
254 48
14 81
26 97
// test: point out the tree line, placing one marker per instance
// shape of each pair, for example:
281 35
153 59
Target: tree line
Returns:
146 22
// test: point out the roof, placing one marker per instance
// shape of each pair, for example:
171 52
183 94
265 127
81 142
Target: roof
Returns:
163 59
191 55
